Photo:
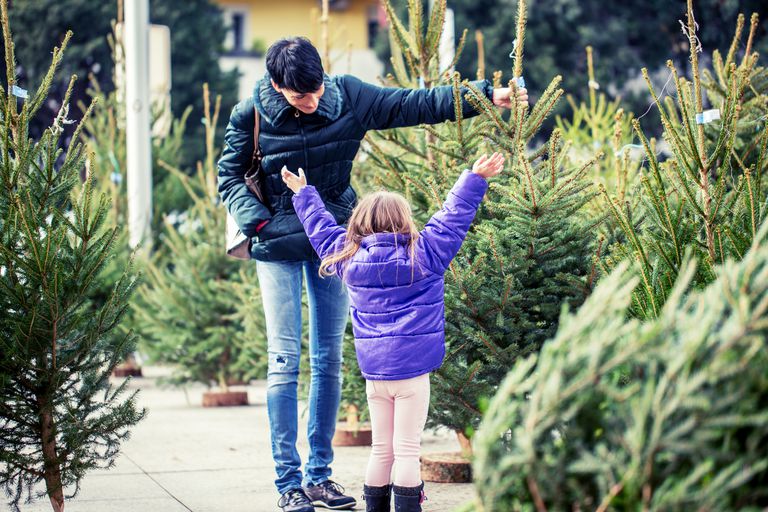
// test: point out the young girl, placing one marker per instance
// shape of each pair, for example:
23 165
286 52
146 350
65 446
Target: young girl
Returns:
394 277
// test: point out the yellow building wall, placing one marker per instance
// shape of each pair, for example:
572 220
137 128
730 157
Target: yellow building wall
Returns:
270 20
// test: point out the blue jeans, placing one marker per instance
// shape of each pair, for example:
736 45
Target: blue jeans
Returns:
281 288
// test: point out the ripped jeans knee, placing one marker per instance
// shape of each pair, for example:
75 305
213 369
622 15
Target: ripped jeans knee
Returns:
282 368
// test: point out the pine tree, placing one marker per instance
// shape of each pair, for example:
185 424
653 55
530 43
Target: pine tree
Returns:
531 248
599 123
754 100
104 133
618 414
59 416
666 414
105 138
703 200
192 310
624 35
197 38
748 155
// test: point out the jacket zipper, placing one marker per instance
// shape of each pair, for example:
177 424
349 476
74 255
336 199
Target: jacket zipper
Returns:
303 140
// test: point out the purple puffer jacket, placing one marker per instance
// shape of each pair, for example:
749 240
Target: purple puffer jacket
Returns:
398 310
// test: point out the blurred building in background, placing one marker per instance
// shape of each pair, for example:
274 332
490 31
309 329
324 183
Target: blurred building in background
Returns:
256 24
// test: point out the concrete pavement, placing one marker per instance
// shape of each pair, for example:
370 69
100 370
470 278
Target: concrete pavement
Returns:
184 458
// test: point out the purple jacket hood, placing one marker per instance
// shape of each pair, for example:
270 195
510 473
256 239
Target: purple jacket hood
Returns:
397 302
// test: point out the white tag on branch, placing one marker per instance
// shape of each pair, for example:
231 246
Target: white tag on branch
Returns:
520 81
19 92
708 116
61 120
594 85
512 54
687 33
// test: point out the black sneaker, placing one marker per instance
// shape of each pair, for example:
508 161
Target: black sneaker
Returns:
295 500
329 494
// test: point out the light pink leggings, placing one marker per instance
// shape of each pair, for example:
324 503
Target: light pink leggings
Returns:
398 413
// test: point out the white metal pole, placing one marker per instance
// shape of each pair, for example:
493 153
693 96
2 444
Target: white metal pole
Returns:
447 47
138 142
160 79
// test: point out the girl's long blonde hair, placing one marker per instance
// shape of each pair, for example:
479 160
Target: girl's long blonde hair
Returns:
379 212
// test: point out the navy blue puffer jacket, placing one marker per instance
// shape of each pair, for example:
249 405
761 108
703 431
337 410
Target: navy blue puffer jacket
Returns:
323 143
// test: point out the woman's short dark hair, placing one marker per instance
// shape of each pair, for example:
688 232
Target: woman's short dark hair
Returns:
293 63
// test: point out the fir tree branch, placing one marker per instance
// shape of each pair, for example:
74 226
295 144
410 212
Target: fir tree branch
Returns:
459 49
434 29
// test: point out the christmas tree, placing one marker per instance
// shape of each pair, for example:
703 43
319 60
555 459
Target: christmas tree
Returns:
664 412
754 100
617 414
602 124
59 417
192 310
105 138
707 200
104 133
531 248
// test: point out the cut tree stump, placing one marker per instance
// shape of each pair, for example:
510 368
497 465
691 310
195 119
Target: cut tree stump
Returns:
447 467
130 367
225 398
357 435
126 370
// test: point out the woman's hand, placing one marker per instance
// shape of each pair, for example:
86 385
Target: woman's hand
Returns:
502 97
294 182
487 167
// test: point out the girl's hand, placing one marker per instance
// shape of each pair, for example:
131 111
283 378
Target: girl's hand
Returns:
487 167
294 182
502 97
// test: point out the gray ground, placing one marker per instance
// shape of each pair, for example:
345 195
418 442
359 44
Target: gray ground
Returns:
186 458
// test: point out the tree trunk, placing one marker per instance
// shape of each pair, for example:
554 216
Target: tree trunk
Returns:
466 445
353 416
224 370
52 468
352 432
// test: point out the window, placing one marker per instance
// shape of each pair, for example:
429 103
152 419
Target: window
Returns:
337 5
374 23
238 29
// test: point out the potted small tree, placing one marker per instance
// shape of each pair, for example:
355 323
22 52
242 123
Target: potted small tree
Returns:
191 312
104 135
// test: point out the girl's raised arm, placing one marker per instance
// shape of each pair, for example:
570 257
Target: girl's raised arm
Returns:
445 232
